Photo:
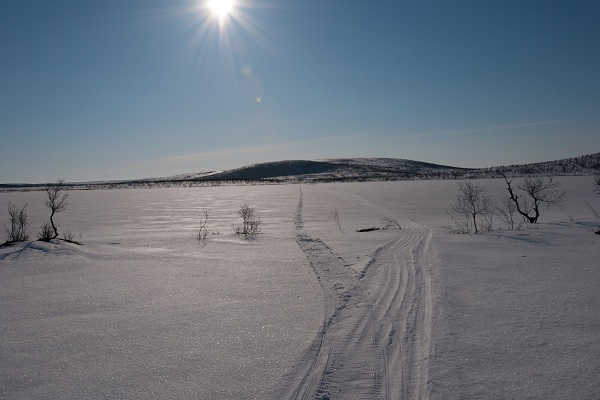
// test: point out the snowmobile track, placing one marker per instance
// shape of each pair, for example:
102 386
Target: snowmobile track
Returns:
375 337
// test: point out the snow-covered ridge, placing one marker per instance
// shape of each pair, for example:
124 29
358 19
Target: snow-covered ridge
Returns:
343 169
583 165
347 169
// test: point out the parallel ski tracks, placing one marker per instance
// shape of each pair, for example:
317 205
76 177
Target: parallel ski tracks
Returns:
375 338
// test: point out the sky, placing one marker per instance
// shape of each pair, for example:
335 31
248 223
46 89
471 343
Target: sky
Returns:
122 89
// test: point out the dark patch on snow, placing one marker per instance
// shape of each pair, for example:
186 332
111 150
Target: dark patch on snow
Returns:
368 229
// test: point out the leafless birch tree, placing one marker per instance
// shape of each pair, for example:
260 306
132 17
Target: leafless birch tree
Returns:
473 205
57 201
539 190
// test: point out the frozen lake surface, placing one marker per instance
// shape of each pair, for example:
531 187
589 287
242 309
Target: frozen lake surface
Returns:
303 310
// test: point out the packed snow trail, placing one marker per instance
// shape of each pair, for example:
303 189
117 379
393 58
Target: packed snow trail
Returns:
375 339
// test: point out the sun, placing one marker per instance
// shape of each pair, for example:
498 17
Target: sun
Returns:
221 8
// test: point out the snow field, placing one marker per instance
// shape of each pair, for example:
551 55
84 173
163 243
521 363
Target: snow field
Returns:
304 310
144 310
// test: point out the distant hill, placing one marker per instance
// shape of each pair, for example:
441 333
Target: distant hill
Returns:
583 165
340 170
350 169
367 169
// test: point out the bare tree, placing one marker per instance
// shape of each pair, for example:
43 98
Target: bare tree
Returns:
57 201
250 221
19 222
473 205
540 189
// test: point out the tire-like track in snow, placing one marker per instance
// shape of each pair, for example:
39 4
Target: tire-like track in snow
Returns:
375 339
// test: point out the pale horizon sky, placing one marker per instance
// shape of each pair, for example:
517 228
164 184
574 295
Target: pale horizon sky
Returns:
128 89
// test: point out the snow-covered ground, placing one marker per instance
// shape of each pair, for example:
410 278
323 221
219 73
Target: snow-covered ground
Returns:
143 310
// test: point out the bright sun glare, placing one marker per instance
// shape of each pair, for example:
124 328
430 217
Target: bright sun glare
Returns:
221 8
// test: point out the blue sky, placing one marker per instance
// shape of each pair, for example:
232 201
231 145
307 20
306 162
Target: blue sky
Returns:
120 89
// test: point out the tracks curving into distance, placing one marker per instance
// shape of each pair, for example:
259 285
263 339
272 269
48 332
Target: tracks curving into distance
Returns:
375 338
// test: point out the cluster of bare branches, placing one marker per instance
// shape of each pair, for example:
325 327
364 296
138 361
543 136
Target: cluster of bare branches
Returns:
46 232
507 213
69 236
202 232
19 222
250 221
472 210
56 202
249 226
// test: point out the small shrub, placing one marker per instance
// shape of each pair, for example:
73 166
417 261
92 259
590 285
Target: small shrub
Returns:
46 232
69 236
19 222
250 221
506 213
202 232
